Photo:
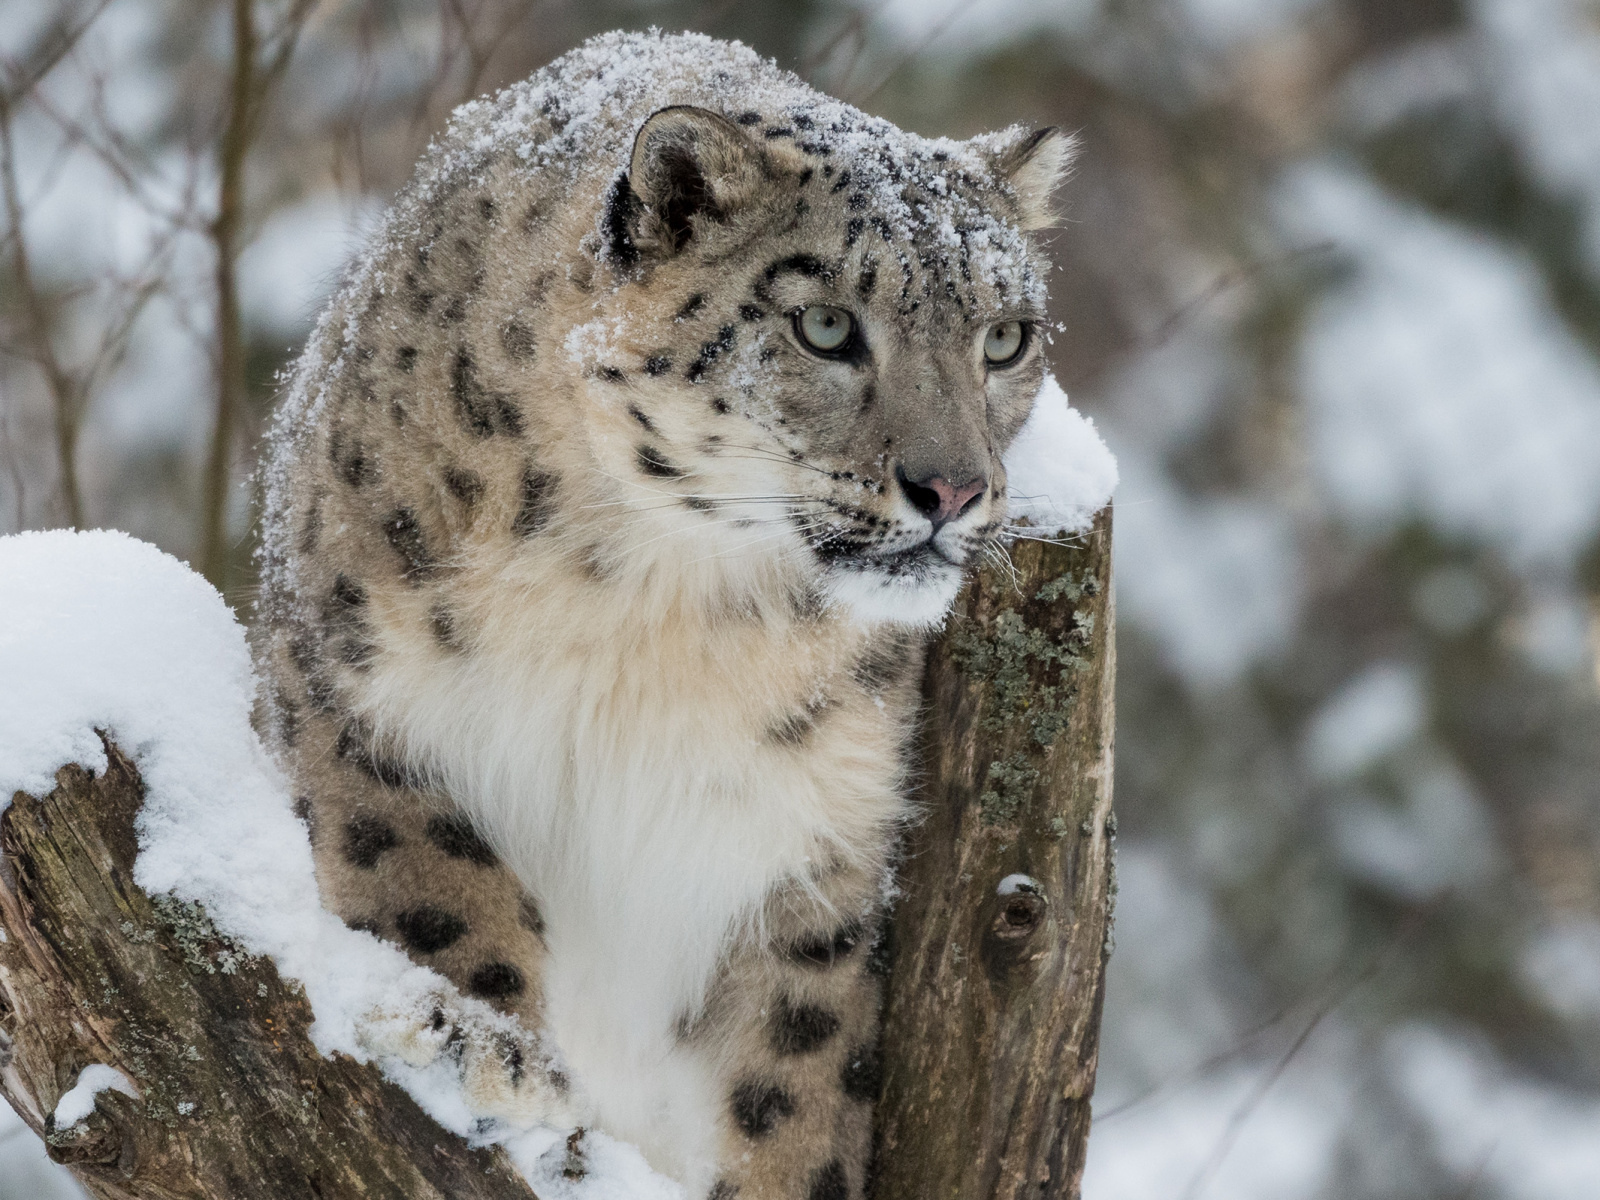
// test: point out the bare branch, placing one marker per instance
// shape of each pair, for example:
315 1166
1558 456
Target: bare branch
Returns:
54 44
251 86
1236 1120
65 392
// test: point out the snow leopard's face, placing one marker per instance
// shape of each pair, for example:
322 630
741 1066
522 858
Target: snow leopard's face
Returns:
824 341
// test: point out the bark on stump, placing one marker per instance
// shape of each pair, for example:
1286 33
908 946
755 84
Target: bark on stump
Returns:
992 1027
993 1004
237 1104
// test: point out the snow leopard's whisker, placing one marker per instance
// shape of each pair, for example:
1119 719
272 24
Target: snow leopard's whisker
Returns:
755 542
787 520
794 523
633 483
714 497
688 530
995 554
1020 532
761 453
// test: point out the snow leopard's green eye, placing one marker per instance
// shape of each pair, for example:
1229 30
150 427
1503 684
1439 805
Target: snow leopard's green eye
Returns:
1004 342
824 328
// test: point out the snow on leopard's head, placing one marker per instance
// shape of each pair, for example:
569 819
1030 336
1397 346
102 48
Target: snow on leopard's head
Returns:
824 330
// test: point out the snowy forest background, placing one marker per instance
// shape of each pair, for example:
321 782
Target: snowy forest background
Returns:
1331 289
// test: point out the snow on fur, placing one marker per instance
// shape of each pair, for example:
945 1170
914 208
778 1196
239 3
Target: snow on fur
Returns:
594 96
99 631
574 122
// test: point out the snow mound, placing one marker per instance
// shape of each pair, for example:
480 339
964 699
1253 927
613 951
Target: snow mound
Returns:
78 1101
1059 471
101 631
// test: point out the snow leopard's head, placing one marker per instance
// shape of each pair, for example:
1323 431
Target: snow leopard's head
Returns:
824 336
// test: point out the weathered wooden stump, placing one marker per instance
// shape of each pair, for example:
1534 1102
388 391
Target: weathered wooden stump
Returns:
1002 930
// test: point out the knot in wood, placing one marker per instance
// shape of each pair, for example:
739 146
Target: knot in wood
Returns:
96 1139
1022 907
1020 915
1017 912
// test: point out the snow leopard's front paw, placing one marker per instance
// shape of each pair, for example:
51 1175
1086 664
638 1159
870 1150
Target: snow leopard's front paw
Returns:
507 1074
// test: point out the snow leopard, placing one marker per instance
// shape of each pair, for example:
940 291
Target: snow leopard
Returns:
607 514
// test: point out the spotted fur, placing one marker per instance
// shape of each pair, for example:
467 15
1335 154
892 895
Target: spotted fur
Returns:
595 594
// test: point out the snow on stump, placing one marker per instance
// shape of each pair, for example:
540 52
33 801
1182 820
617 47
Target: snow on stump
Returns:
157 1055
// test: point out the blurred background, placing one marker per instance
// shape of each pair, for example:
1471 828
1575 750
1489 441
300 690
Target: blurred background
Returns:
1331 290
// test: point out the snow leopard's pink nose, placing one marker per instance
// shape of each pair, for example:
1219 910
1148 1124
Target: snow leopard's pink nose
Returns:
938 499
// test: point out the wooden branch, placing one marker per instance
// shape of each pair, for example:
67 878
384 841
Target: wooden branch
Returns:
236 1102
66 393
993 1009
993 1018
250 87
226 235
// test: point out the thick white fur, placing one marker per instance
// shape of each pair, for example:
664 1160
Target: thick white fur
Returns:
879 597
618 755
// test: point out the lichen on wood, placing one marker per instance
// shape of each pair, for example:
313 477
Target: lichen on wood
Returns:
1030 673
1002 930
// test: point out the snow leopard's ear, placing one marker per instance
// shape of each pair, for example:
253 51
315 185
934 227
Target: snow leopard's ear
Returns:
690 168
1034 165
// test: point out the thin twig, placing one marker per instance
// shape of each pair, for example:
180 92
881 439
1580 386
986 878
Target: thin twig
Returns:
52 45
905 60
65 394
854 27
109 150
1185 312
1236 1120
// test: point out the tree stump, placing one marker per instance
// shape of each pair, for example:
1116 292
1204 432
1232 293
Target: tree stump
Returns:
236 1102
1003 927
999 943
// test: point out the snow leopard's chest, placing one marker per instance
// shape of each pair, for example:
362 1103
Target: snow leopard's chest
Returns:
655 794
